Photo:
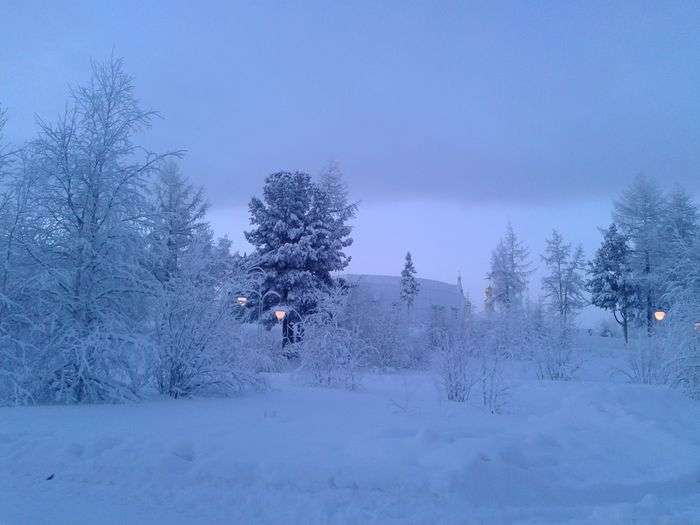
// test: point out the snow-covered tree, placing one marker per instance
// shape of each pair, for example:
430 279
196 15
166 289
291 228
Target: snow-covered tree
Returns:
409 283
489 305
563 286
552 343
456 364
299 241
380 327
333 184
611 282
197 337
107 289
680 219
681 238
18 284
86 238
332 353
6 153
177 220
510 271
467 306
639 213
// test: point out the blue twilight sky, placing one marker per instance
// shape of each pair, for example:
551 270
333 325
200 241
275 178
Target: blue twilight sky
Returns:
448 118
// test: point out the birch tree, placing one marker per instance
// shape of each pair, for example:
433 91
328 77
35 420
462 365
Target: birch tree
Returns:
87 237
563 286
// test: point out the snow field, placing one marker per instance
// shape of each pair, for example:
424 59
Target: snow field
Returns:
564 452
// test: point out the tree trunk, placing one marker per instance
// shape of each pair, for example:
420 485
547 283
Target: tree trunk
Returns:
285 331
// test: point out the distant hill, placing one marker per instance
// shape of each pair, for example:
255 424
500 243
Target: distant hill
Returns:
385 289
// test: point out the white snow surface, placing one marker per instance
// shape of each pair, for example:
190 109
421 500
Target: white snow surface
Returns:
588 451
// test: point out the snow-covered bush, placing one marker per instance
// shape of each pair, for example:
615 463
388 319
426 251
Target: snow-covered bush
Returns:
677 346
471 355
20 360
686 370
555 353
648 360
456 366
512 332
606 328
260 348
494 386
97 367
671 353
496 342
198 340
380 328
331 354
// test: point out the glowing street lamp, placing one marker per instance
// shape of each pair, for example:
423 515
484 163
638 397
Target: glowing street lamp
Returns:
242 300
659 315
280 314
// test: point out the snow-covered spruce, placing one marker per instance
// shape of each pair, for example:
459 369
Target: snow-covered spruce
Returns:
299 232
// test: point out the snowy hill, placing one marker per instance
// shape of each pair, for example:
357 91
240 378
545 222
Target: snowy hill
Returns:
385 289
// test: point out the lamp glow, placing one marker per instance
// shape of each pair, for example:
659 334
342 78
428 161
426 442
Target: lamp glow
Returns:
242 300
280 314
659 315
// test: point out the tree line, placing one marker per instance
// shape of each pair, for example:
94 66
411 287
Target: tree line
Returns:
114 286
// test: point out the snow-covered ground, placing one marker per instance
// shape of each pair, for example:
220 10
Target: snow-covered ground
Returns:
590 451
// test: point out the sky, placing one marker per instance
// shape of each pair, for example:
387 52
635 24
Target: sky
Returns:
449 119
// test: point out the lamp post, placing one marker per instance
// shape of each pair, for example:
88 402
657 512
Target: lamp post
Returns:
281 316
285 314
242 301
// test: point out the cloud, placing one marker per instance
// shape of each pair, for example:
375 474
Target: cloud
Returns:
471 104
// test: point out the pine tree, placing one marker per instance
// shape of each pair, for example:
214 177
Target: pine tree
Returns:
510 271
563 286
409 284
611 282
299 241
